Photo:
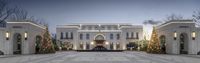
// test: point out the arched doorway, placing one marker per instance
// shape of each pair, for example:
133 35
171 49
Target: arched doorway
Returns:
163 43
37 43
99 42
17 43
183 43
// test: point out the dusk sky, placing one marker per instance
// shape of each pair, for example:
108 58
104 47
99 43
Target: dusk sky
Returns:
60 12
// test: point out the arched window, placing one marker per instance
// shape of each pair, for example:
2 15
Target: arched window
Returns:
99 37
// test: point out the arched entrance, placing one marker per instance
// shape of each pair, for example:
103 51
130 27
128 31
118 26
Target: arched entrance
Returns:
17 43
99 42
163 43
37 43
183 43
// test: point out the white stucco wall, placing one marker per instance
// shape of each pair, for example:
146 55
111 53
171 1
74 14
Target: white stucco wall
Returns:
173 46
28 46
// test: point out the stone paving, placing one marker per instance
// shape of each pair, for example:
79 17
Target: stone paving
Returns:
100 57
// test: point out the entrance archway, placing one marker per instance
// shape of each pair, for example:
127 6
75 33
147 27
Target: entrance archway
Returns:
163 43
17 43
99 42
37 43
183 43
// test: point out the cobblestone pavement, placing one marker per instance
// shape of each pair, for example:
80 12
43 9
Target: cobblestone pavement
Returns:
99 57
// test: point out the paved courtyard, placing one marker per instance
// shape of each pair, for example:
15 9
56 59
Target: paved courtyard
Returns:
100 57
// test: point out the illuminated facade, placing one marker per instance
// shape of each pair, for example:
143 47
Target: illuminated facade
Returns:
92 36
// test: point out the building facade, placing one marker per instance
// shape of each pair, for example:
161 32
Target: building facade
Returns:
94 36
20 37
179 37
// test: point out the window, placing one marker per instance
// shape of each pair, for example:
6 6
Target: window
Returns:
71 35
132 34
89 28
103 28
111 36
61 35
126 35
83 27
87 36
118 36
81 36
109 27
137 35
116 28
66 35
96 27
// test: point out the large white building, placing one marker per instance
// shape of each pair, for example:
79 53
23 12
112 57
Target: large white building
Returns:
94 36
179 37
176 37
20 37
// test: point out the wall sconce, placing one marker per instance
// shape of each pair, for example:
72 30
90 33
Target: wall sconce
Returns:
175 35
92 43
7 35
193 35
25 35
107 43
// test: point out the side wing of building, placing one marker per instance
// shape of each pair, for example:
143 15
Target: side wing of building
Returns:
179 37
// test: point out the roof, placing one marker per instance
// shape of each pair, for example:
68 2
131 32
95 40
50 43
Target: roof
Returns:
174 21
37 25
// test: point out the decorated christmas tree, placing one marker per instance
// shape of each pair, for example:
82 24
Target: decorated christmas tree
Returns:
46 45
154 44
